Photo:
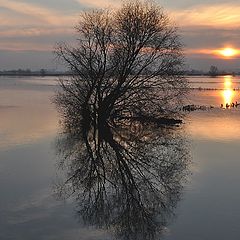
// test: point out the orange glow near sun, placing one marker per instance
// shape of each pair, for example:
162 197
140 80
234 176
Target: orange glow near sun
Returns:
227 52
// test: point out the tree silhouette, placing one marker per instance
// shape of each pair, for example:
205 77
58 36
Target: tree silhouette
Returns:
213 71
124 159
126 63
127 179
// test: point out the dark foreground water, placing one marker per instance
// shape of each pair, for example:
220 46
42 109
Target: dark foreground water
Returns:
209 207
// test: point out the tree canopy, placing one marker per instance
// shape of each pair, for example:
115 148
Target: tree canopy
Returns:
126 63
125 171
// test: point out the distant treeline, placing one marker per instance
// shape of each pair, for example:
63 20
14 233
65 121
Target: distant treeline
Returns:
45 72
213 72
202 73
28 72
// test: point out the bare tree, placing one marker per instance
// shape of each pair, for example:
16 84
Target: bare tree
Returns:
126 63
127 179
125 173
213 71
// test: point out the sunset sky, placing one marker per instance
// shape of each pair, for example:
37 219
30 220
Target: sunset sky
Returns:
30 28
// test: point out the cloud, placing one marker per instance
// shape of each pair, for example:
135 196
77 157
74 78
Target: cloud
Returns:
25 25
212 53
210 37
33 31
208 27
16 45
31 26
34 38
217 15
44 15
99 3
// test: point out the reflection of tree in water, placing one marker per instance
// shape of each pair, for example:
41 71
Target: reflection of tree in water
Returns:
127 177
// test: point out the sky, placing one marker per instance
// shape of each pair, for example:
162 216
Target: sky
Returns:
29 30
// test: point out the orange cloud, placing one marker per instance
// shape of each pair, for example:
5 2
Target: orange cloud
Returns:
220 53
25 46
227 52
220 15
34 32
25 20
100 3
37 13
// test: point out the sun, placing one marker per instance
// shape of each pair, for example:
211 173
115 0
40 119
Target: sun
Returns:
228 52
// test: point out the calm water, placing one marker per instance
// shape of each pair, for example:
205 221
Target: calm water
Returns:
209 207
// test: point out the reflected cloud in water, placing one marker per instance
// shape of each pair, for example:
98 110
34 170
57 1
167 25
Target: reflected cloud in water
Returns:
126 177
216 125
26 116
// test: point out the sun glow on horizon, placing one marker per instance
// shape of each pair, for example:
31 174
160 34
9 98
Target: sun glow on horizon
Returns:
227 52
224 53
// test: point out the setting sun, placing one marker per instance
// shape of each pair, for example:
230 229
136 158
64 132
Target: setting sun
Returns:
228 52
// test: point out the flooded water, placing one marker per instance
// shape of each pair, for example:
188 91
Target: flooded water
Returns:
208 207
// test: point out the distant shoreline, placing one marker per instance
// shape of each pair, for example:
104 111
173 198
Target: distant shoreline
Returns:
37 74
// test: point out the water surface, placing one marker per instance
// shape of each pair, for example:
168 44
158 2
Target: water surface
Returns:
209 206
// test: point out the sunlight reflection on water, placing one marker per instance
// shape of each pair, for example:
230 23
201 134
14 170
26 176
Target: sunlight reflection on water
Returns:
228 93
218 124
215 90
